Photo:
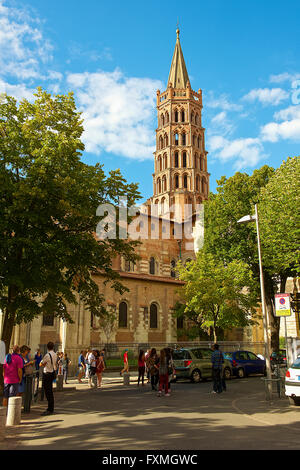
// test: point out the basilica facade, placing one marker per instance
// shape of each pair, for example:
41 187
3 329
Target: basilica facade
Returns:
144 314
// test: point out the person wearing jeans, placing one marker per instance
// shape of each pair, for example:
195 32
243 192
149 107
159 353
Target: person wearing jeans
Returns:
217 360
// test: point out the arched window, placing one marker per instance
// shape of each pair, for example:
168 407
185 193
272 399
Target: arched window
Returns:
153 316
176 160
201 164
197 183
198 142
182 116
167 117
152 265
159 163
165 161
183 138
123 315
185 181
194 140
159 185
176 139
173 266
197 119
176 116
176 181
162 120
162 205
184 159
192 116
166 139
164 183
160 142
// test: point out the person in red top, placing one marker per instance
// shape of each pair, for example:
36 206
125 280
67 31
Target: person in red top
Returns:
13 373
141 366
125 360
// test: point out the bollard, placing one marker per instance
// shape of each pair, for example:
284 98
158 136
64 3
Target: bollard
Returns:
126 378
3 410
14 411
59 383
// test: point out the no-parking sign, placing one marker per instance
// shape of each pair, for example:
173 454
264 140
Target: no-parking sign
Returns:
282 305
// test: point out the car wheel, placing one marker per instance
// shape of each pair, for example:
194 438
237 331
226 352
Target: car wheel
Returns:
227 373
196 376
294 401
241 373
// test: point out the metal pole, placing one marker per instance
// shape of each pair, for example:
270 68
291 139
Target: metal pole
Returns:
265 318
286 344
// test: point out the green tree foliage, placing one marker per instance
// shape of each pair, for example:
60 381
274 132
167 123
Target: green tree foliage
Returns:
48 203
214 294
227 240
280 218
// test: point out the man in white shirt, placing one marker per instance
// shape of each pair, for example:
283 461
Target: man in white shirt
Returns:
49 363
92 366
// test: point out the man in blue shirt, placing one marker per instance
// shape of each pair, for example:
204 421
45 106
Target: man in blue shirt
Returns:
217 360
81 366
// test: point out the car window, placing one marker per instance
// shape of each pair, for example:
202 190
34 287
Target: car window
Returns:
206 353
242 355
296 364
197 353
252 356
181 355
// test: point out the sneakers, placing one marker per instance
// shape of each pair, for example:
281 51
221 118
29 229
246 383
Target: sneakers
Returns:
168 395
213 392
159 394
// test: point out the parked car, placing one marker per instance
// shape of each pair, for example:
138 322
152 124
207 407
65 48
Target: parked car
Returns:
278 357
195 364
292 383
244 363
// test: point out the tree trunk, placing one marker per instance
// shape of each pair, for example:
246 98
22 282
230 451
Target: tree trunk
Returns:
273 320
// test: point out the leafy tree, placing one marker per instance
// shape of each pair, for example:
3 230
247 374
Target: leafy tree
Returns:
280 218
214 294
227 240
48 203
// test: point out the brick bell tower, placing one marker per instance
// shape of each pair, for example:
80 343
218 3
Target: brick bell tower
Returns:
180 160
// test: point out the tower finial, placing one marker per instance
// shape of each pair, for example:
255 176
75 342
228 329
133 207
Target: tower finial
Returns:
177 30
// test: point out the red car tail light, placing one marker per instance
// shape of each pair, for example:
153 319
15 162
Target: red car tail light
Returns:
287 373
187 363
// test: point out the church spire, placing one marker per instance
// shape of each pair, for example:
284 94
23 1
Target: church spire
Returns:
178 76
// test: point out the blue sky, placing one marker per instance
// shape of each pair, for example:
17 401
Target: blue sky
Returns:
244 55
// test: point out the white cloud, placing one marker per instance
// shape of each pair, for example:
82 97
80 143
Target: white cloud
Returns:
284 77
289 129
22 45
118 112
267 96
220 124
221 102
245 152
19 91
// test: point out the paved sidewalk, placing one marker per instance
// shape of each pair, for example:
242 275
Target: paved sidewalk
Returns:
129 417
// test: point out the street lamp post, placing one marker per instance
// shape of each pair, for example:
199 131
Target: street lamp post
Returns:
252 218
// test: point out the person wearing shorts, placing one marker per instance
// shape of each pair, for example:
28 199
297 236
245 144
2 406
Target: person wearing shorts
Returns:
13 373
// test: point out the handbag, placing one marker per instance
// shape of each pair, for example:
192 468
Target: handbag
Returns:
29 370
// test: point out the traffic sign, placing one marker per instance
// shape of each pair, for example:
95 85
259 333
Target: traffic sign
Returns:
282 305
